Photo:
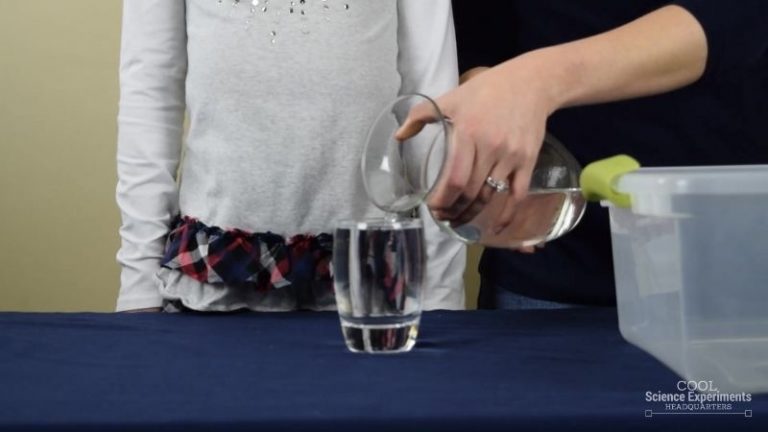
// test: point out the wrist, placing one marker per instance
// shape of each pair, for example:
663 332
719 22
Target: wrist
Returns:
555 74
475 71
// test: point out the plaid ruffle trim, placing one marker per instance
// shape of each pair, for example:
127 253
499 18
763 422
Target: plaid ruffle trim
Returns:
267 260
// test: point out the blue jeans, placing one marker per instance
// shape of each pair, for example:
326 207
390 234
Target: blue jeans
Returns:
495 297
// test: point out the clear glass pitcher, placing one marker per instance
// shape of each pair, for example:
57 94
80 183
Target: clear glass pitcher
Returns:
399 175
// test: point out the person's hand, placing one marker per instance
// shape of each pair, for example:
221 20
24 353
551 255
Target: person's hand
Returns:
499 118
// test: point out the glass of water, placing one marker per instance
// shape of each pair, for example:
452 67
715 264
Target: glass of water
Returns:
378 271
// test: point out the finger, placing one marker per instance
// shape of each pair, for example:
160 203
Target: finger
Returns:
500 172
494 158
474 197
419 116
473 209
521 180
531 249
456 172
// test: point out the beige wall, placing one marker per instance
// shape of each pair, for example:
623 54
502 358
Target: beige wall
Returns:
58 103
58 100
471 278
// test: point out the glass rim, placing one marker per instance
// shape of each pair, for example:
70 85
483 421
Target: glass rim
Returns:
441 119
379 223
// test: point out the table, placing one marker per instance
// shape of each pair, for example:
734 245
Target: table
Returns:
471 370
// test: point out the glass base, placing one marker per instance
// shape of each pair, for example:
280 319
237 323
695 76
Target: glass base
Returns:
380 339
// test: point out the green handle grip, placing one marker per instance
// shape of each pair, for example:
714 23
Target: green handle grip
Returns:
598 178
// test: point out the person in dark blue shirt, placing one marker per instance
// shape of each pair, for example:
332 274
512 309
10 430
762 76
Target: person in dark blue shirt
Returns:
670 83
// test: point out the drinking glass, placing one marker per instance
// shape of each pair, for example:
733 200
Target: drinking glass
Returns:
399 175
378 270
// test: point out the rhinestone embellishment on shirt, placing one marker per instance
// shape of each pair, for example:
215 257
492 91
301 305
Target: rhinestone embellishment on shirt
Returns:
274 11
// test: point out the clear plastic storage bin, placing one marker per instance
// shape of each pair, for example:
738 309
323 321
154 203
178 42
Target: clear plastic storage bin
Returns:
691 261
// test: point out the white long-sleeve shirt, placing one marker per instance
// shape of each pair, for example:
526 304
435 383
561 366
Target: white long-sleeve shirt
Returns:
279 102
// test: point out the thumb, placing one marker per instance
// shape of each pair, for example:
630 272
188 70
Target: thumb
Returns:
419 116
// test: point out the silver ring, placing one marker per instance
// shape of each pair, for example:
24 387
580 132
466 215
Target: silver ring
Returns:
497 185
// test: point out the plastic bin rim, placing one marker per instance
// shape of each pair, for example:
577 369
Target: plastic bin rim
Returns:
700 180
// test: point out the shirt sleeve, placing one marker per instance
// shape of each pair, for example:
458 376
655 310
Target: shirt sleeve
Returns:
153 64
428 65
737 33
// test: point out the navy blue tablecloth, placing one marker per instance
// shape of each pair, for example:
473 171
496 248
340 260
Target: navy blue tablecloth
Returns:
500 370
